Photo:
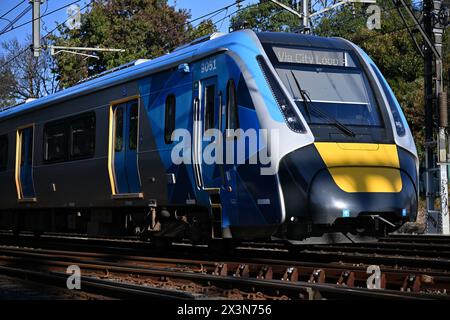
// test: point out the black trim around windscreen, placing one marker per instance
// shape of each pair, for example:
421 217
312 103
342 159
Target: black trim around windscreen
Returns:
325 132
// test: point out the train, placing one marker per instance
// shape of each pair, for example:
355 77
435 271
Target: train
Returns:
307 141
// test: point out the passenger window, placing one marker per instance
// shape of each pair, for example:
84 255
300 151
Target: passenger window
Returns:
55 144
69 139
3 152
232 107
210 92
119 130
169 123
133 126
82 133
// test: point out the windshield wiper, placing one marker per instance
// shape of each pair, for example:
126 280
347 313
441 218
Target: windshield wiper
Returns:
309 105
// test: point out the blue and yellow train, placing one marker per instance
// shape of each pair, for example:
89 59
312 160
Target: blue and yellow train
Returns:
98 158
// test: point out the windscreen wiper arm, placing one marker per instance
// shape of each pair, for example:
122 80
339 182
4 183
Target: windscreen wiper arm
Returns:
309 105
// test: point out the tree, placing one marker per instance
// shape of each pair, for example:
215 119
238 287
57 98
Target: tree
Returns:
203 28
266 16
144 28
7 84
26 76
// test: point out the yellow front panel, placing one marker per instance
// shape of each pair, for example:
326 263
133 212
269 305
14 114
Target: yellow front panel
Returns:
358 154
367 179
362 167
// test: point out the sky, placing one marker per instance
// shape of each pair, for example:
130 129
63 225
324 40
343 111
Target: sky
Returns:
196 7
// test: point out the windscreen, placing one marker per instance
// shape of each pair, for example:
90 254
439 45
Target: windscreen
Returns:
327 85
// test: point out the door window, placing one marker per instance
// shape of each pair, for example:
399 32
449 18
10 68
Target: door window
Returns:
118 145
25 172
133 131
210 98
169 125
232 107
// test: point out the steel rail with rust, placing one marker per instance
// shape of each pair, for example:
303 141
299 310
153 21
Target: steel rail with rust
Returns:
304 274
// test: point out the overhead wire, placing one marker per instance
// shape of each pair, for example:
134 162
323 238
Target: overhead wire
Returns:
213 13
234 12
44 37
12 9
382 10
45 11
10 25
51 31
42 16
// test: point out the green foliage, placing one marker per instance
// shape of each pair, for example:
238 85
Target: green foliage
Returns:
266 16
204 28
144 28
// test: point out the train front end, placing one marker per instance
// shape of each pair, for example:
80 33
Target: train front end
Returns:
353 168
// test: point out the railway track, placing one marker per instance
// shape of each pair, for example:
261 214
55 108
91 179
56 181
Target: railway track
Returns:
13 288
242 275
418 238
233 285
111 289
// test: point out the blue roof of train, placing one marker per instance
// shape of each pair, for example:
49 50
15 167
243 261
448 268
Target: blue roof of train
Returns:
185 53
304 40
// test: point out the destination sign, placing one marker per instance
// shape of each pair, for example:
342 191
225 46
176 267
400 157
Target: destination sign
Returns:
304 56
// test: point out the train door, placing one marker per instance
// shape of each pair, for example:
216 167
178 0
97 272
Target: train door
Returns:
24 164
124 159
208 116
207 145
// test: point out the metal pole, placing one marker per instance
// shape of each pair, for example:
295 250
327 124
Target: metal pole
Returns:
443 124
441 95
305 19
36 27
429 100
